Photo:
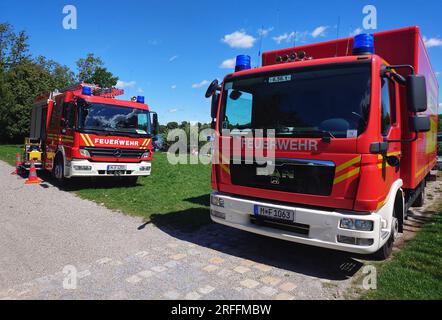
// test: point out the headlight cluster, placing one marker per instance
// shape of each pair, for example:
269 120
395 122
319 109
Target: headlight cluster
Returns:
145 155
85 153
356 224
145 168
217 201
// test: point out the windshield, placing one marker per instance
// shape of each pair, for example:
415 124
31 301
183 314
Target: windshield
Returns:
332 101
113 119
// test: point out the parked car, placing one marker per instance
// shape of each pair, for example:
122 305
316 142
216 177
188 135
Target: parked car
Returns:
439 161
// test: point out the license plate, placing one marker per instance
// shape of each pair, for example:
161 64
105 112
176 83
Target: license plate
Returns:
275 213
116 168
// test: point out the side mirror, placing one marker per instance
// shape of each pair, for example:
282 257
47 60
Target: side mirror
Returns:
379 147
213 87
214 106
420 124
156 124
417 93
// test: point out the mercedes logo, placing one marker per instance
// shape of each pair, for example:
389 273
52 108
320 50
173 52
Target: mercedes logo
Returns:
117 153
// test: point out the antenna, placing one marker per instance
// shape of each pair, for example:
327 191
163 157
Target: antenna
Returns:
337 34
260 43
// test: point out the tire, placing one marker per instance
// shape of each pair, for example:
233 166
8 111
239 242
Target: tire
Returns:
420 200
58 170
385 252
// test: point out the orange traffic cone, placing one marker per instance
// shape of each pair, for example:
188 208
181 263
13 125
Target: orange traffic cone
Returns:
32 178
17 164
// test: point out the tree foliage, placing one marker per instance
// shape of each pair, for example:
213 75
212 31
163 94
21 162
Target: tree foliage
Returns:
23 77
91 70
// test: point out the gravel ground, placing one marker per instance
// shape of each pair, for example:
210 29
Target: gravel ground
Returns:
54 245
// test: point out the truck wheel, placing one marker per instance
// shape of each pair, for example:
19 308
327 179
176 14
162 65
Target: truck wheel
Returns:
385 252
419 202
58 170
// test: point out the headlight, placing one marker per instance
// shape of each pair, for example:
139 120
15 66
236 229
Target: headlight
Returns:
145 155
85 153
217 201
356 224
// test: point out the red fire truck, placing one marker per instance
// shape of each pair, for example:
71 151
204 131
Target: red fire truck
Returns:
83 131
354 125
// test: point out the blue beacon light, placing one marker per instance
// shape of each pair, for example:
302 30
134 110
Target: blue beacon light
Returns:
243 62
363 44
140 99
86 91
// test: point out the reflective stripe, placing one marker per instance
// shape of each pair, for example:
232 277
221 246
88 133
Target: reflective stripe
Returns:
348 164
90 140
84 139
347 175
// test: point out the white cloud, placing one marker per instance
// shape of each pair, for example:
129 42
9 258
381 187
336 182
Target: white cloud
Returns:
356 31
139 90
173 110
152 42
123 84
200 85
173 87
173 58
291 37
263 32
281 38
239 39
319 31
228 64
432 42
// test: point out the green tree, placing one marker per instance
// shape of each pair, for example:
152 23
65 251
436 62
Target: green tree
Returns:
91 70
22 78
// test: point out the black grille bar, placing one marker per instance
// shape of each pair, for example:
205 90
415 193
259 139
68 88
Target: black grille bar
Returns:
302 229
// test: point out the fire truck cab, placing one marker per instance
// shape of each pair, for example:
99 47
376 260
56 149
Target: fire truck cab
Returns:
83 131
352 125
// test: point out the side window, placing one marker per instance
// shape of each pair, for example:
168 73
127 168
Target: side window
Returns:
238 110
68 115
55 117
386 116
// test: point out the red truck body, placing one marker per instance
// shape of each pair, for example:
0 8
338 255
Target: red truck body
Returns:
361 183
92 148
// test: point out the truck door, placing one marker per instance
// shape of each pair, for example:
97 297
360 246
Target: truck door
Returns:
67 125
390 130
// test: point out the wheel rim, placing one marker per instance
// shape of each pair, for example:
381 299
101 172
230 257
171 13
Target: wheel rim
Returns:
395 228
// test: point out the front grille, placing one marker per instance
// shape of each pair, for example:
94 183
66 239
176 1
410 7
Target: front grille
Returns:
291 175
115 153
302 229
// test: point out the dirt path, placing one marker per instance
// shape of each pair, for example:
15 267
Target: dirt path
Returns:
45 231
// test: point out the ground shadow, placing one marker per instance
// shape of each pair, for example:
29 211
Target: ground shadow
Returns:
194 225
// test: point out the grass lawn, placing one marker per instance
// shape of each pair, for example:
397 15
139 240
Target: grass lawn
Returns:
415 272
174 195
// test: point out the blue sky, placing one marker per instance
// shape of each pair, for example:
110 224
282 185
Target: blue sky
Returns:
170 50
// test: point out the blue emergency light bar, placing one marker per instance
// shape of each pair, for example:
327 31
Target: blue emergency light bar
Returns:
243 62
363 44
87 91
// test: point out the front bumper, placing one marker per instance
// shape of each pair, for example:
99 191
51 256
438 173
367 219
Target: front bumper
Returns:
323 227
99 169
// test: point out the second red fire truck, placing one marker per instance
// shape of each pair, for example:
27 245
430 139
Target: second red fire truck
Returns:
354 137
83 131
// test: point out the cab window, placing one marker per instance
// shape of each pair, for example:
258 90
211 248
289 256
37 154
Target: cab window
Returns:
388 106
